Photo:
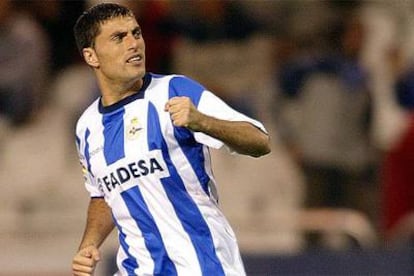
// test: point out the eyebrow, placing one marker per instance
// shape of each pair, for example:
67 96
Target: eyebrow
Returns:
123 33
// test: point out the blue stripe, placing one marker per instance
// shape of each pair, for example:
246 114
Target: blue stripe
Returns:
183 86
86 152
78 140
140 213
113 136
194 154
180 86
184 206
130 264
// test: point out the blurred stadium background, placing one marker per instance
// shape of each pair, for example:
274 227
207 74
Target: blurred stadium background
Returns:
331 80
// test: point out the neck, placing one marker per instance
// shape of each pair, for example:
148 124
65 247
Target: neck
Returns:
114 92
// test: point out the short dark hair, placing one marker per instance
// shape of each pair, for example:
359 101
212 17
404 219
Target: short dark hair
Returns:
87 27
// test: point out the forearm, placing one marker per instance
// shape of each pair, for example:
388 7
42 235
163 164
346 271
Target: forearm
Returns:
99 223
242 137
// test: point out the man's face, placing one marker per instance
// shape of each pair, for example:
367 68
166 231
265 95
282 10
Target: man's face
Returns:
119 51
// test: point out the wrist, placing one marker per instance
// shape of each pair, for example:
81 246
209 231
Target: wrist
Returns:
88 244
202 124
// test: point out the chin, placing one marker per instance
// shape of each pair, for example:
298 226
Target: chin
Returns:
140 72
137 75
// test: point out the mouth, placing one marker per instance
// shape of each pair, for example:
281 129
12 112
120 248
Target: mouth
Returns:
135 59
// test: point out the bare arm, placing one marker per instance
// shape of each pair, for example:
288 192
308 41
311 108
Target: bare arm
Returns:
99 223
98 226
242 137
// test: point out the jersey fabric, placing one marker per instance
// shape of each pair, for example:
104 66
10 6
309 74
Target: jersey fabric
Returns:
157 179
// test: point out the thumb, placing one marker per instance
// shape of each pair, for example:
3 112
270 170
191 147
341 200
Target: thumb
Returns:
91 252
95 254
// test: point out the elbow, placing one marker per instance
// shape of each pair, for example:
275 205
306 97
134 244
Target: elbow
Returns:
262 149
266 149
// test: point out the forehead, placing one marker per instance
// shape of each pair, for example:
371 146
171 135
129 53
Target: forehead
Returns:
117 24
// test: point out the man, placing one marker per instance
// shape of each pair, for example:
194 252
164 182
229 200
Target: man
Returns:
144 149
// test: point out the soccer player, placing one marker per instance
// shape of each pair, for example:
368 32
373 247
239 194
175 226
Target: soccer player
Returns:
144 148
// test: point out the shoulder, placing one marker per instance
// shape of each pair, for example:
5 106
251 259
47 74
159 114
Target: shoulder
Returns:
178 85
90 114
177 81
183 84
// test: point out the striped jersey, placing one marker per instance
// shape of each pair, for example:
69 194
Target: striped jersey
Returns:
157 179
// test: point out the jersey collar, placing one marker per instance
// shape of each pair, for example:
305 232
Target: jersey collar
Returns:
139 95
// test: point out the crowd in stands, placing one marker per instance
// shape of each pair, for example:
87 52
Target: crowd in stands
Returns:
333 82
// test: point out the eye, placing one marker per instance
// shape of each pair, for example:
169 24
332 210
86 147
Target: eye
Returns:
118 37
137 33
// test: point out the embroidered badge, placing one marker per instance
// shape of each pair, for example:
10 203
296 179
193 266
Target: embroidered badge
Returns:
133 129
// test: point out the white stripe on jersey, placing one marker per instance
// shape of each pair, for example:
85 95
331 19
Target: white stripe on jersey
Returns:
208 207
186 256
137 245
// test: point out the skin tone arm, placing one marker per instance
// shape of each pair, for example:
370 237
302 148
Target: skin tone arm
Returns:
98 226
242 137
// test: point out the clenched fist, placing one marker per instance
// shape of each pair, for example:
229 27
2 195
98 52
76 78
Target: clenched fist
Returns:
85 260
184 114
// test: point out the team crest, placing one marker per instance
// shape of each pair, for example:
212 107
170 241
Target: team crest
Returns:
133 129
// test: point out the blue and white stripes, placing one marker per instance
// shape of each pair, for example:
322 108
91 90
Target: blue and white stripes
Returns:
155 178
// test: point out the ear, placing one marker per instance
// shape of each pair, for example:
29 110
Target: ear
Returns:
90 57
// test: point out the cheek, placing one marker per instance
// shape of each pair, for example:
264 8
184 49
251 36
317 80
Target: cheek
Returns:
142 45
110 59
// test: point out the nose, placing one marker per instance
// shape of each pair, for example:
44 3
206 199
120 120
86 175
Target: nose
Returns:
131 42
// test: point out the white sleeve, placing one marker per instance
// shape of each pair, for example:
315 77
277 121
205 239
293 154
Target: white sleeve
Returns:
213 106
90 184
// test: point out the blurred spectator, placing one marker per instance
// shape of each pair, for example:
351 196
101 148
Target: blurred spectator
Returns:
24 63
398 175
57 19
387 56
398 165
212 20
221 45
330 134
